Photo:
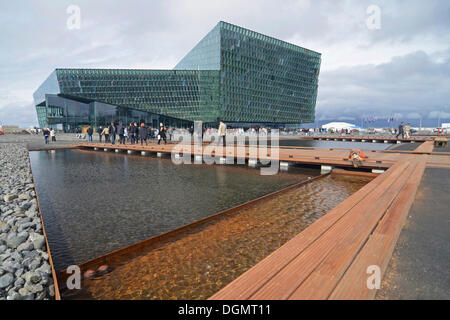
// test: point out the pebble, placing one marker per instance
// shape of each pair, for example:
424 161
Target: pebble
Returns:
6 280
25 273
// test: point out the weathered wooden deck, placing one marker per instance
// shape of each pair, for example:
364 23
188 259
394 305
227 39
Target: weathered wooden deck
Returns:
330 259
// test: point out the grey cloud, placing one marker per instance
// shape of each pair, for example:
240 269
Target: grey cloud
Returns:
412 84
22 114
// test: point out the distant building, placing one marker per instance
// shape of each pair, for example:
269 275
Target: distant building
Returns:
234 74
339 126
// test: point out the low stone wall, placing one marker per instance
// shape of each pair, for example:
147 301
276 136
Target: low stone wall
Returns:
25 271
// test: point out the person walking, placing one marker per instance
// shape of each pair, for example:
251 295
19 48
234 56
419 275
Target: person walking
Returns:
90 132
408 130
46 134
106 133
100 133
162 134
121 133
143 134
401 130
112 133
222 132
52 134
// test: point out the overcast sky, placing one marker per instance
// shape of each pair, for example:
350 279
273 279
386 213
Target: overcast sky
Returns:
401 69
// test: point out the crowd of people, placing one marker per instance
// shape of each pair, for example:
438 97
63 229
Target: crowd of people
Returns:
134 133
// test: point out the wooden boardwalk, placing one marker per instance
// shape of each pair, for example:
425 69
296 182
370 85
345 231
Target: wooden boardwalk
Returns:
330 259
370 138
312 156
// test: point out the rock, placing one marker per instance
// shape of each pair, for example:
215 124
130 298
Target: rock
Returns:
51 290
32 277
19 282
15 241
9 197
25 196
14 296
28 246
4 256
41 295
6 280
38 241
5 228
3 249
25 294
44 268
25 206
44 255
34 264
34 288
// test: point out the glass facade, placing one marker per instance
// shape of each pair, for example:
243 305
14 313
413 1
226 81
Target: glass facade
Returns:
74 113
233 74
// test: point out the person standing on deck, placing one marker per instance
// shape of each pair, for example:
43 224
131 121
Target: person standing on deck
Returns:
162 134
112 133
130 132
143 134
100 133
222 132
121 133
106 133
135 131
401 130
90 132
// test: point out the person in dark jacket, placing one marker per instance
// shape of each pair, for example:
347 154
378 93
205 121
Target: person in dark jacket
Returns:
135 132
112 133
401 130
121 132
100 133
143 134
90 132
162 134
46 134
130 133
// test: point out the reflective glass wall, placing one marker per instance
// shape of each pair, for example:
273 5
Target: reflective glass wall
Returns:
264 79
74 114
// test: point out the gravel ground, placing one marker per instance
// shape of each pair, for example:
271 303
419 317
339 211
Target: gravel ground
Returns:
33 141
25 272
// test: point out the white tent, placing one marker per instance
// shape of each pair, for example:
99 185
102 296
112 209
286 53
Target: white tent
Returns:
338 126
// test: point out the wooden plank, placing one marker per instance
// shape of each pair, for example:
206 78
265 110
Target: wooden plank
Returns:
360 218
426 147
324 278
246 284
379 247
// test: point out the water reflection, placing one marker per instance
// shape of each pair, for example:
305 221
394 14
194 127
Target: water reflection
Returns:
200 263
97 202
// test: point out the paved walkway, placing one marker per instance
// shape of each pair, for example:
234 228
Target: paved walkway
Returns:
419 268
